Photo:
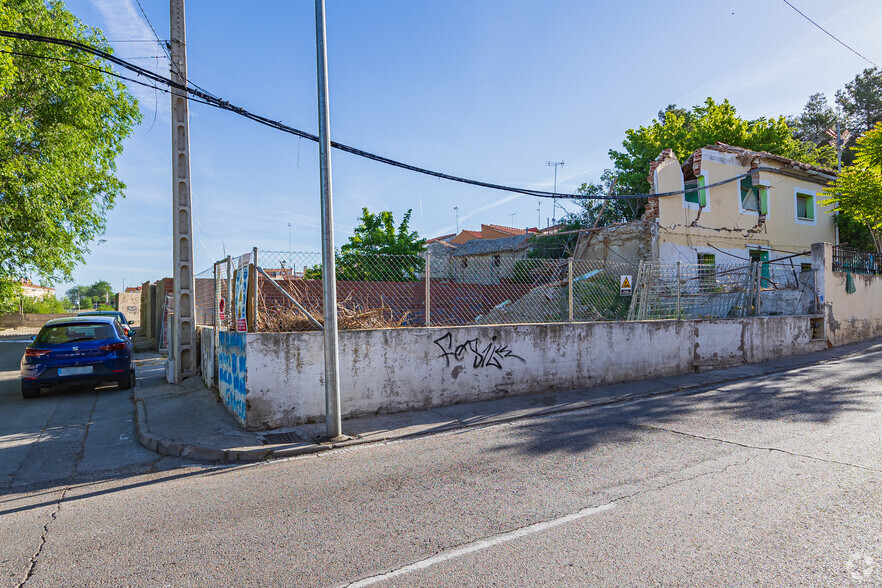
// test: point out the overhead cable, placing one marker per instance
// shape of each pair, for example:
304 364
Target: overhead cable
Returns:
201 96
831 35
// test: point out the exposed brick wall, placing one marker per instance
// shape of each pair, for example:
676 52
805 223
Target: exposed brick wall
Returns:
451 303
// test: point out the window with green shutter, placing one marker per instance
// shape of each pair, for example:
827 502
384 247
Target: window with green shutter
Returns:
754 198
805 207
695 194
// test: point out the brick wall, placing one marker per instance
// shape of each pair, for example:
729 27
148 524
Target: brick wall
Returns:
451 303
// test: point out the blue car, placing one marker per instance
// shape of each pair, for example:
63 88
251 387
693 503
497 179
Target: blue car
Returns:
80 350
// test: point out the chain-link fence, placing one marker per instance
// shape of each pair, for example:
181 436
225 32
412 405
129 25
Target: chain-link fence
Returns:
677 290
384 291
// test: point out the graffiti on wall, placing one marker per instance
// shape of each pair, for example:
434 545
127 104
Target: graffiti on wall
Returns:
231 372
492 354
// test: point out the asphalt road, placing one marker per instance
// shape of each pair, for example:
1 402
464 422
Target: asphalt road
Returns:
772 481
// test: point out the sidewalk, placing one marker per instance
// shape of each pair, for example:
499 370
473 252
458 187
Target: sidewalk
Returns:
189 420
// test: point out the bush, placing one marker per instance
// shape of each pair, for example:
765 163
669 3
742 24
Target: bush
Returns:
45 306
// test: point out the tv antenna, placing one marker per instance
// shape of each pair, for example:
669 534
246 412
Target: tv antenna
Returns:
554 164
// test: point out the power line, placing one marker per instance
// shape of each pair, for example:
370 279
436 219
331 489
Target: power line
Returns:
150 24
198 95
831 35
87 66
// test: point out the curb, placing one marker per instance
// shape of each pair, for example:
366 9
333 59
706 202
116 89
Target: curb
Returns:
174 448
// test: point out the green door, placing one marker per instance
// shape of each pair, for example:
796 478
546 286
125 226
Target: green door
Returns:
762 257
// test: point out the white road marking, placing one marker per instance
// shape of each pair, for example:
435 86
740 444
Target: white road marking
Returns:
15 341
482 544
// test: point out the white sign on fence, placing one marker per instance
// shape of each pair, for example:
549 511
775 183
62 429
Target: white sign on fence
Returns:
625 285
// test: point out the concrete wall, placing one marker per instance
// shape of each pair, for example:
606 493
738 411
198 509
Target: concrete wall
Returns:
129 303
231 369
849 317
207 354
34 320
389 370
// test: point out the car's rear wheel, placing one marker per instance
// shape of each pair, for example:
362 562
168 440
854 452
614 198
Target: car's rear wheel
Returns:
28 391
127 383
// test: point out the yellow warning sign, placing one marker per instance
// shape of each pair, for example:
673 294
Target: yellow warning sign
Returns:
625 285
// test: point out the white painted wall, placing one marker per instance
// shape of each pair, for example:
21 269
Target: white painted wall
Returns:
389 370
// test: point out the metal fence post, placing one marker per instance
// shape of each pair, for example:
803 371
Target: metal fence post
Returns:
254 293
428 289
678 290
216 306
759 288
570 287
229 312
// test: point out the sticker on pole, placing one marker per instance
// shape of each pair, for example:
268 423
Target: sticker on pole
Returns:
221 307
625 285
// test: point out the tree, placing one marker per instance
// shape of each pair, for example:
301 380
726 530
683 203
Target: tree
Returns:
857 191
10 294
861 101
360 259
812 123
62 124
87 296
590 208
685 131
47 305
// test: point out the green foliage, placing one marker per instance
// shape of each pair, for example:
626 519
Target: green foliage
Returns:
812 123
61 128
854 233
861 101
10 294
857 191
377 251
590 211
46 306
601 297
708 123
87 296
377 234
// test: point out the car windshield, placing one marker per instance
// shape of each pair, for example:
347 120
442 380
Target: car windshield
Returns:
115 314
70 333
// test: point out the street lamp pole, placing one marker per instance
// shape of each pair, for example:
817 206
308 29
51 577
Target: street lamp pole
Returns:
333 425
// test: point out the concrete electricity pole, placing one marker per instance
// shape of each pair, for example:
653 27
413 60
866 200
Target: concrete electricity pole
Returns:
183 336
333 425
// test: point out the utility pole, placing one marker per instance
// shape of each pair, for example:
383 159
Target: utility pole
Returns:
838 148
556 164
333 425
456 212
183 353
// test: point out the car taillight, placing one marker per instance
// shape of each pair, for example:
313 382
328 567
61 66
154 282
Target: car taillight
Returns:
35 352
113 347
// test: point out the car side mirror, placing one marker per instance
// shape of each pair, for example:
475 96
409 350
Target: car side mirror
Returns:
33 337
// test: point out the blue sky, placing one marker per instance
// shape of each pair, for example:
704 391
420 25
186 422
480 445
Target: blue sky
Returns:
489 90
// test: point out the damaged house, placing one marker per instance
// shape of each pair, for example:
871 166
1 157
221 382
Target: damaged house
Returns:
723 205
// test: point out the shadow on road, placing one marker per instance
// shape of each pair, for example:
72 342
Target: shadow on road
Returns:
819 393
